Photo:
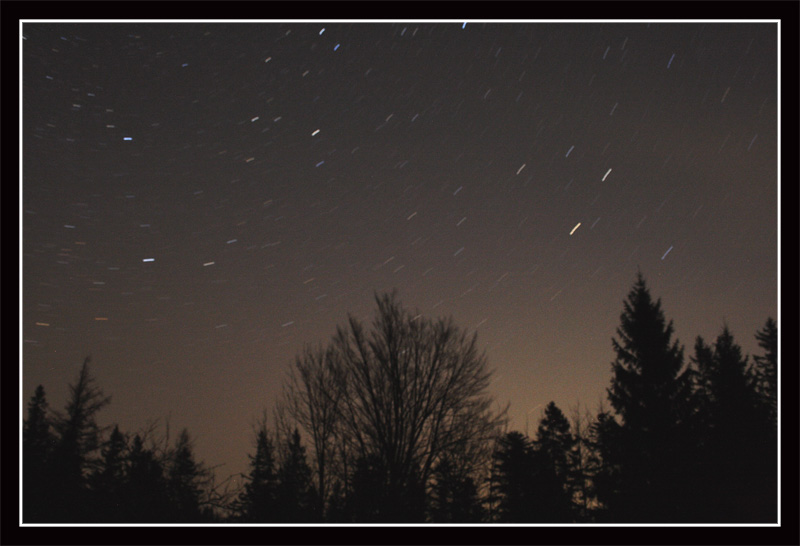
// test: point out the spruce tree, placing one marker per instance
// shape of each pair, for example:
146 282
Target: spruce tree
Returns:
145 487
579 478
108 482
258 501
511 483
295 494
454 497
552 468
651 394
75 451
603 468
184 481
36 439
37 443
734 441
765 371
729 398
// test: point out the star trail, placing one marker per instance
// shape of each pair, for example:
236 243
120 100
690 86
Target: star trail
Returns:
200 200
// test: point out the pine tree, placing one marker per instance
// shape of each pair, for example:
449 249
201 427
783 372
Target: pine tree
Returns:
295 494
765 371
37 443
512 486
651 393
78 440
603 469
145 487
454 496
649 387
552 469
258 501
732 436
184 481
108 482
36 429
579 478
728 397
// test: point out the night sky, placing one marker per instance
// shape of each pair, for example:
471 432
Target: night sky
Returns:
199 200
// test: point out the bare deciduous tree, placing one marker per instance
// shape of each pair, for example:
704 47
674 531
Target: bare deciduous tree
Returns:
312 397
405 394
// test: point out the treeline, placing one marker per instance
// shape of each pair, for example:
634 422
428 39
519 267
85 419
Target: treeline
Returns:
393 422
75 471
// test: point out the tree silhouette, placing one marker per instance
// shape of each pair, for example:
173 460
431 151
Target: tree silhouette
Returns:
733 438
400 428
185 479
78 440
727 397
337 510
312 398
146 487
37 443
766 371
372 499
108 481
74 475
369 499
533 481
257 503
552 468
512 485
396 399
454 498
295 497
580 462
36 438
604 465
651 393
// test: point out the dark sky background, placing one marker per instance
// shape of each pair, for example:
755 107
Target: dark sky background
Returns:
201 199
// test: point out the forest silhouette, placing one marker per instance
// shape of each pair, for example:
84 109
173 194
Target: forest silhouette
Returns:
392 422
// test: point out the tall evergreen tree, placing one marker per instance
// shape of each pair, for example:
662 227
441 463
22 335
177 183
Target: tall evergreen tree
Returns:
766 371
651 393
511 484
603 466
258 501
579 478
185 478
552 468
36 438
728 398
108 482
37 443
78 440
733 439
454 496
295 496
146 488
